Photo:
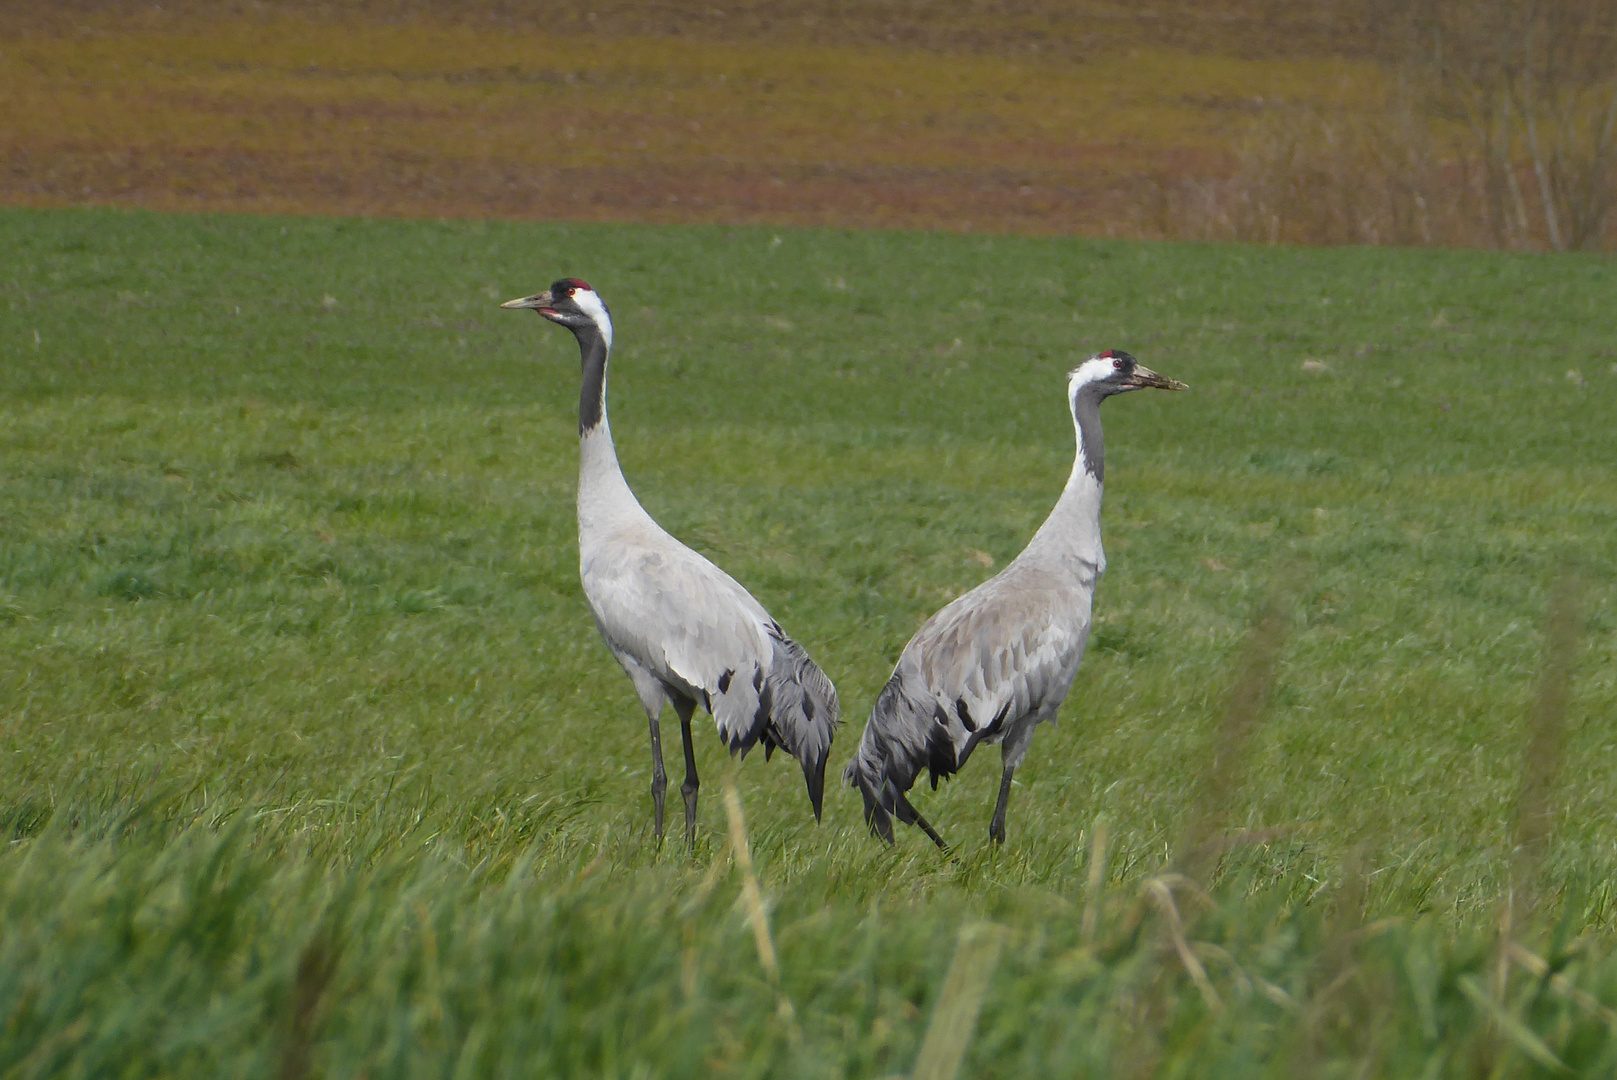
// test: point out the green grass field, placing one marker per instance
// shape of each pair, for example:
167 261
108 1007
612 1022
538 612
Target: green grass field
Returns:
314 764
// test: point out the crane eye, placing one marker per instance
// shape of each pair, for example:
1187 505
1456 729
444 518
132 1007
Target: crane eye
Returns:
571 291
1118 364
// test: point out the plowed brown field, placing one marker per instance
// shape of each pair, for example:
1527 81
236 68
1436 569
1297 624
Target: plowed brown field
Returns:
968 118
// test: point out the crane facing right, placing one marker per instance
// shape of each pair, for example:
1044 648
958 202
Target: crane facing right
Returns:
998 661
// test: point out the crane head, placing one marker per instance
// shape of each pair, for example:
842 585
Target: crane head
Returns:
571 303
1115 372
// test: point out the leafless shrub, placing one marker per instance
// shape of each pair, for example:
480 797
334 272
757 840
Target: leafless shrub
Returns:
1534 84
1317 174
1315 177
1496 127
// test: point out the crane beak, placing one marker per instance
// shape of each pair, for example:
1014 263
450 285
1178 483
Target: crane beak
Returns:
1144 376
540 302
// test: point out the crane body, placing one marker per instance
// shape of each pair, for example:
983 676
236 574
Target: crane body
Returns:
995 663
684 631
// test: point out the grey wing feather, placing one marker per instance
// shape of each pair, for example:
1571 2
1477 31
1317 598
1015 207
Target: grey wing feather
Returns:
1005 652
680 618
805 710
705 637
803 713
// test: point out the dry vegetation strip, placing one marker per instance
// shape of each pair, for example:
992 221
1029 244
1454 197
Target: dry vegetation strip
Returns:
410 117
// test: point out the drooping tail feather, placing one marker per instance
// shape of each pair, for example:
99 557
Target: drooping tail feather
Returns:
903 737
871 767
814 777
803 713
870 776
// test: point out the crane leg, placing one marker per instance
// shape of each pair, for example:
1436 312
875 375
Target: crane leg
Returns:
996 828
659 779
691 784
1013 750
910 816
927 828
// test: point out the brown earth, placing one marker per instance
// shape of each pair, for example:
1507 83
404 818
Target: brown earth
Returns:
1021 117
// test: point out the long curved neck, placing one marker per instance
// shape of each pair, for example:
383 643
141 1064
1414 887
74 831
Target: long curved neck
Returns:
604 497
592 348
1091 444
1072 531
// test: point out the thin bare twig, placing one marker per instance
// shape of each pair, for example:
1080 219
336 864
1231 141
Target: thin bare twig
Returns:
1527 106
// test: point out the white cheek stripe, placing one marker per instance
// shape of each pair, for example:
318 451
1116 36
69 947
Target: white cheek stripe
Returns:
1087 372
592 306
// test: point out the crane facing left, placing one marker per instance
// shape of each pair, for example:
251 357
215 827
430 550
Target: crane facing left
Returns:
684 631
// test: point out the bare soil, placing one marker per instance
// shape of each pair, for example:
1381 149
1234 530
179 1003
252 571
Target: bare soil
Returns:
1017 117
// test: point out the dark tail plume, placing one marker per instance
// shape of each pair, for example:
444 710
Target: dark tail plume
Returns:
868 772
803 712
814 777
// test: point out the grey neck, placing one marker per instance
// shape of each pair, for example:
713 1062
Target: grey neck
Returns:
1091 445
592 398
1070 536
605 503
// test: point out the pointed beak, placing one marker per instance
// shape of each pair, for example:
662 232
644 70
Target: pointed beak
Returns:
539 302
1144 376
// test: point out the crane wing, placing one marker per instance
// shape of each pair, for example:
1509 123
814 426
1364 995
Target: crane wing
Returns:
676 614
1003 653
697 630
995 656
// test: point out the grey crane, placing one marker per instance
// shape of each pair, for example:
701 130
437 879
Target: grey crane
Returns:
995 663
682 629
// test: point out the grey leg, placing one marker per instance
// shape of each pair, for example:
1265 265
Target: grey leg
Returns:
911 816
691 784
659 779
927 828
1014 749
996 828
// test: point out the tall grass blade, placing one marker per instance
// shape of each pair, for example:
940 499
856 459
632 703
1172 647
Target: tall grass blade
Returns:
1097 880
315 967
1540 969
954 1020
749 884
754 898
1518 1033
1202 833
1546 737
1161 895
